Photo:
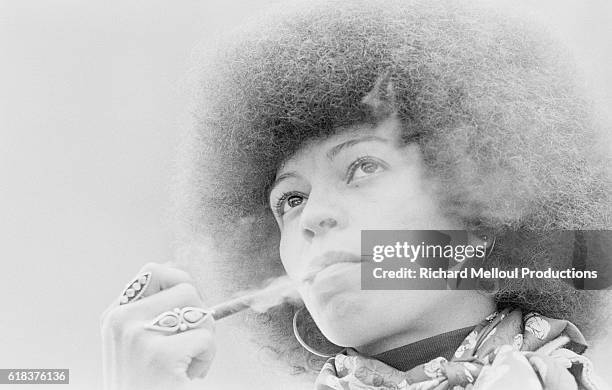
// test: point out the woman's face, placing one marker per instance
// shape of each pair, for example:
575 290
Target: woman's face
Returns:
361 178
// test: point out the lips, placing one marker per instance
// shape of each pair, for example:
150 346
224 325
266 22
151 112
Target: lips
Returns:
325 260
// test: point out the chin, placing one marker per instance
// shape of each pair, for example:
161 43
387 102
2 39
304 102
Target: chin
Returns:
343 319
350 333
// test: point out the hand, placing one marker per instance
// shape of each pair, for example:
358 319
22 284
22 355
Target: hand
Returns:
137 358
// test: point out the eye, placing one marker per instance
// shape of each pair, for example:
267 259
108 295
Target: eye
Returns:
288 201
363 167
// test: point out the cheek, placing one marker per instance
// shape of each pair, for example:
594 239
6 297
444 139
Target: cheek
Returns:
289 254
393 199
408 201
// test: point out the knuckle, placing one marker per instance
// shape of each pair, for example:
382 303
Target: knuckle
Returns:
104 315
135 335
115 321
150 266
124 330
177 275
165 270
185 276
187 291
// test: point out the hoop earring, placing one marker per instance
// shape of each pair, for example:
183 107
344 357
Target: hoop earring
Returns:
296 332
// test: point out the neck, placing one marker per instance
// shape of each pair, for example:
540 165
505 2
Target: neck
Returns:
460 310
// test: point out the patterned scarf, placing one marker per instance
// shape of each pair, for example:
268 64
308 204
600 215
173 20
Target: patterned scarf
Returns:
505 351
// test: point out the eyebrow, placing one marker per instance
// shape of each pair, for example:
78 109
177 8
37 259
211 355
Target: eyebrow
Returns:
331 154
282 177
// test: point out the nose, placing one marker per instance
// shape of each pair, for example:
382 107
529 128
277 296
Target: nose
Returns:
319 216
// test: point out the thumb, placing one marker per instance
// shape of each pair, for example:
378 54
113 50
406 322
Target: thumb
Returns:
195 349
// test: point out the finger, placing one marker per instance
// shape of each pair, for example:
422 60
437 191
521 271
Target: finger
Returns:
127 331
164 276
109 359
178 296
151 279
203 352
190 352
132 319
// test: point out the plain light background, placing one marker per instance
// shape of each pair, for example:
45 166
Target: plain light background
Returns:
92 103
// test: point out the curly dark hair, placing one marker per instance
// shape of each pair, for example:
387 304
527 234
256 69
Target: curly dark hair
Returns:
491 100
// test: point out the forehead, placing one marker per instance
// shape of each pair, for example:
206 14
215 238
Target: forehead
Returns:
388 130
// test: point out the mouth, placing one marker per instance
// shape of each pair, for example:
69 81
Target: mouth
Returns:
326 260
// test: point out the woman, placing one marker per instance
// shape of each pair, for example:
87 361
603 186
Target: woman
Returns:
332 119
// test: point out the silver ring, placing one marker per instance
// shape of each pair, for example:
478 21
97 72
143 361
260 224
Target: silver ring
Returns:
134 290
178 320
